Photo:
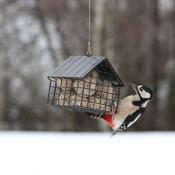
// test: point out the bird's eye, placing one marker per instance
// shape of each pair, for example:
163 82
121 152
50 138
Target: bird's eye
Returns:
141 89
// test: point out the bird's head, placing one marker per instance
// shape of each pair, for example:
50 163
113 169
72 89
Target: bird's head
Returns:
143 91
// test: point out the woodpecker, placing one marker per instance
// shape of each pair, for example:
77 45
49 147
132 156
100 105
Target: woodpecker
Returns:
129 109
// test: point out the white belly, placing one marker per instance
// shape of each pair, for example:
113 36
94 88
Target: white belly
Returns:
117 121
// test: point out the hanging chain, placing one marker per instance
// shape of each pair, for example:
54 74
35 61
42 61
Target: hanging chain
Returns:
89 42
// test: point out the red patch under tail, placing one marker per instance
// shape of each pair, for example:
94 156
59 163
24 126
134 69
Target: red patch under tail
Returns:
108 119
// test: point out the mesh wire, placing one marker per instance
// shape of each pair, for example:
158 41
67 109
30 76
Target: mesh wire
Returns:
95 93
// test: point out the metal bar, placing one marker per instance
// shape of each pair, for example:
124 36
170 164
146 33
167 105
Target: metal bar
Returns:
54 94
48 96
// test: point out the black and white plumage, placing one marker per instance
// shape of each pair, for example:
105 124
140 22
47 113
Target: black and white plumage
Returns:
130 109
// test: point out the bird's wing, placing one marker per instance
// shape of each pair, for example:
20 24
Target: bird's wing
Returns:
131 119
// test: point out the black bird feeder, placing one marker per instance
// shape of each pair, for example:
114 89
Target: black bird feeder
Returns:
85 84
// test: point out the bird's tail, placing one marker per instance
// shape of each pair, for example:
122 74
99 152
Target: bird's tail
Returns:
114 133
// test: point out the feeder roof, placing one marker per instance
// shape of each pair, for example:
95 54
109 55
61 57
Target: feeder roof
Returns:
79 67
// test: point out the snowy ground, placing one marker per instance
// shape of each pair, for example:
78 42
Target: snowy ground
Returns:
87 154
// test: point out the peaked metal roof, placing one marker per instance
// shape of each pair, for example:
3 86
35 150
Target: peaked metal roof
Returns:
79 67
76 67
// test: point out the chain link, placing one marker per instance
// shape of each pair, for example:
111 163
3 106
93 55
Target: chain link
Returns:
89 52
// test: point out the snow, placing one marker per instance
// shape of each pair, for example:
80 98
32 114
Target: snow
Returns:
35 153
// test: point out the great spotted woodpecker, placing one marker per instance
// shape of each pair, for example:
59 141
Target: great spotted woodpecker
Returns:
129 109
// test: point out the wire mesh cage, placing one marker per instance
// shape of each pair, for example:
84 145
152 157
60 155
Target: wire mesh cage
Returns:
86 84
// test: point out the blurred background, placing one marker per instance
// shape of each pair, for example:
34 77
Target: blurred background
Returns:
138 37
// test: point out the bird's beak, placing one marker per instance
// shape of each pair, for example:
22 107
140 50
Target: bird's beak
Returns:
134 86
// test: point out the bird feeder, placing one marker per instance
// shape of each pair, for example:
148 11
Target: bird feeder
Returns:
86 84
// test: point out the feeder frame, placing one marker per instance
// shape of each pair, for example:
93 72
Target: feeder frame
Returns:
85 74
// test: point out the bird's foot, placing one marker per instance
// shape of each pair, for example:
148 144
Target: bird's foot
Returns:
95 116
